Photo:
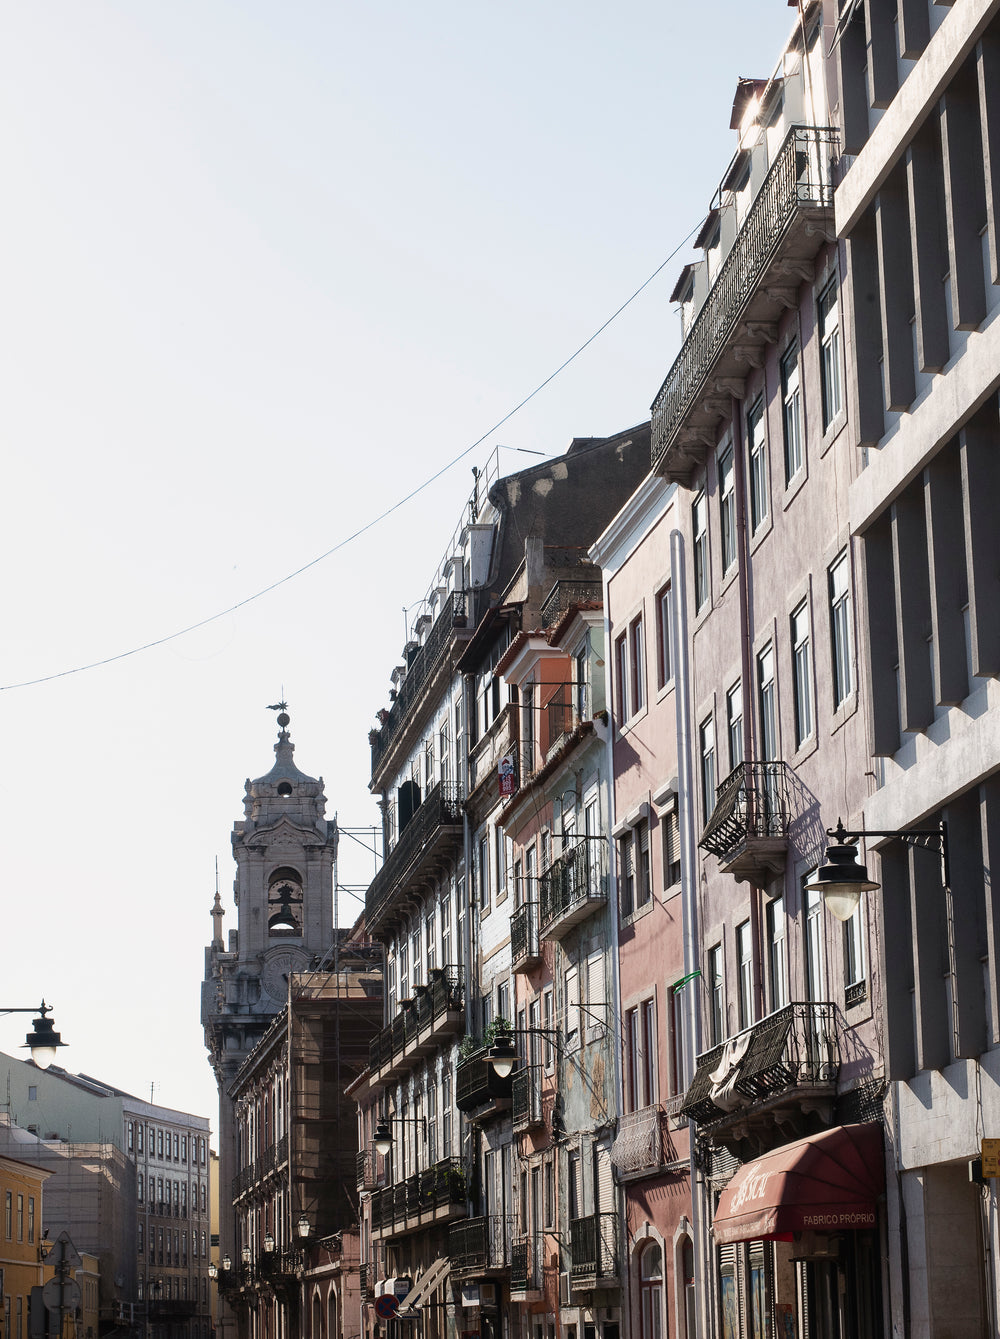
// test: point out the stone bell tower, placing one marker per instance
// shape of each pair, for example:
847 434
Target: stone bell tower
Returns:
285 851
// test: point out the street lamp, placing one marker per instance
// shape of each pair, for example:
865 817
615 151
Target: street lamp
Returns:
502 1055
43 1041
843 878
382 1138
303 1227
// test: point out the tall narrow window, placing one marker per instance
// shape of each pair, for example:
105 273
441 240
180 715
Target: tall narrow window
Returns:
528 728
699 521
664 644
734 724
757 441
777 961
621 678
854 956
767 705
744 960
791 398
581 685
643 886
671 843
829 356
706 749
815 964
841 642
626 868
802 674
637 649
727 508
716 996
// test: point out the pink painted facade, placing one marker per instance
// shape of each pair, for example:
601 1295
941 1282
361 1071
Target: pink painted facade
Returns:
651 1153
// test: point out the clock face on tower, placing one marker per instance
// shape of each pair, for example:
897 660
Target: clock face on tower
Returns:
278 966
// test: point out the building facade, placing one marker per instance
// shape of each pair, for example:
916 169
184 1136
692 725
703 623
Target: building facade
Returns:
917 209
21 1267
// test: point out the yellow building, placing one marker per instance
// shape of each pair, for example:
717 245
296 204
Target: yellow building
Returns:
20 1233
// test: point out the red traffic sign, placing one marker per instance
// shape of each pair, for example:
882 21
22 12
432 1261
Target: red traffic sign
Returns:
386 1306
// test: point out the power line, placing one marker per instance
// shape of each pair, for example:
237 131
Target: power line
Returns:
369 525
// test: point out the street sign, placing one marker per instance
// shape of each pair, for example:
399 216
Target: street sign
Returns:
991 1157
67 1294
386 1306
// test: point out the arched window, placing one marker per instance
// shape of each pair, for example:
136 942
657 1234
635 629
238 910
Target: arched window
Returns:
317 1328
651 1291
333 1326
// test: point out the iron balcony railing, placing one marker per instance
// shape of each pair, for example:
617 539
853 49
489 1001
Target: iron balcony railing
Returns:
576 878
525 1266
455 614
442 809
367 1273
752 802
593 1249
565 594
795 1047
565 709
526 1094
422 1195
800 178
477 1082
481 1243
443 994
524 941
642 1145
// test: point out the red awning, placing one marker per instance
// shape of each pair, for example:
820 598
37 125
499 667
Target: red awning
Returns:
826 1183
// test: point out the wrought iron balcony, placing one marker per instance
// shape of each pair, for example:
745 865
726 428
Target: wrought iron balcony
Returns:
748 829
594 1251
436 1194
477 1084
526 1095
574 887
526 1270
481 1245
367 1178
784 228
642 1147
525 945
433 831
437 1011
785 1066
429 657
565 594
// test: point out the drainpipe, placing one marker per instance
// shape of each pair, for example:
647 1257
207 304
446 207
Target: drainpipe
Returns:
689 902
616 1031
746 667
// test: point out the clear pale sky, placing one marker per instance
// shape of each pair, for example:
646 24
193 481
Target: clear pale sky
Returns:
264 268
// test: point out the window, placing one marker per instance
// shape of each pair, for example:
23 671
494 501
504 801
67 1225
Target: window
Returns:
621 678
791 398
854 956
716 996
140 1243
159 1143
140 1188
664 638
777 960
841 646
140 1130
32 1092
699 523
643 885
767 704
500 842
637 655
129 1133
31 1218
177 1148
581 684
548 1024
829 352
734 724
802 674
706 750
483 870
528 726
744 960
184 1148
8 1214
757 441
815 965
727 508
20 1218
571 995
651 1290
670 839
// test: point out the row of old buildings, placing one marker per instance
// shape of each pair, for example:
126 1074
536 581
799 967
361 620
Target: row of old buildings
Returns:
629 1075
127 1183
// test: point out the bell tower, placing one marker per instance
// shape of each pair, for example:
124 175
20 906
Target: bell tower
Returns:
285 850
